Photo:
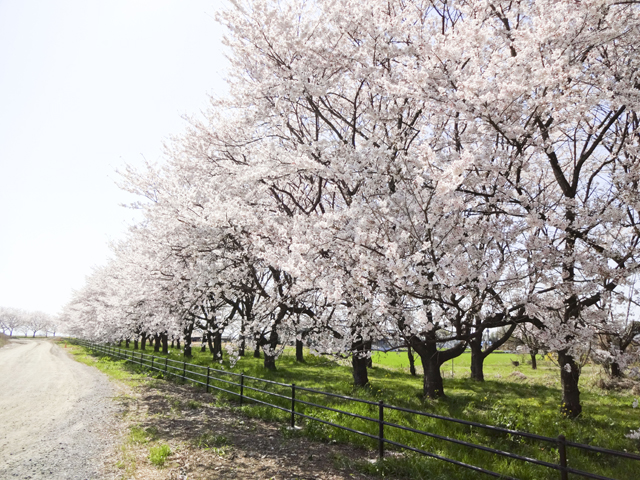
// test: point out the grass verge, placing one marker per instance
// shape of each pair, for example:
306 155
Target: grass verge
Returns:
506 400
206 437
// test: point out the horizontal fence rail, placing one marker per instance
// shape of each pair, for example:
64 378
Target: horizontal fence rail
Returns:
236 385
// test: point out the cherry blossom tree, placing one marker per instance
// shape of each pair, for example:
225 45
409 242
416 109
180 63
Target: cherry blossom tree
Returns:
11 319
416 170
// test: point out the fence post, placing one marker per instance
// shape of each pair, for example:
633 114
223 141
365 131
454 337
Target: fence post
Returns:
562 450
184 371
165 364
152 359
381 429
208 374
241 387
293 405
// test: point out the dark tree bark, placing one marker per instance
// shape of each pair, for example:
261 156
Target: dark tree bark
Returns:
188 330
165 343
178 343
143 341
156 343
119 343
613 370
270 358
126 343
173 343
242 339
367 347
412 361
359 362
477 361
256 352
210 343
534 364
569 378
616 372
432 359
299 351
135 343
217 345
203 347
478 355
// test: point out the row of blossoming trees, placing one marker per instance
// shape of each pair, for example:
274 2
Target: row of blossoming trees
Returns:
15 320
410 170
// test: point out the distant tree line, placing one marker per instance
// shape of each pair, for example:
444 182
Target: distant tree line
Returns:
16 321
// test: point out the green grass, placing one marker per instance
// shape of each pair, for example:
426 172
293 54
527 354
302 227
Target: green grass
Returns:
218 444
158 454
505 399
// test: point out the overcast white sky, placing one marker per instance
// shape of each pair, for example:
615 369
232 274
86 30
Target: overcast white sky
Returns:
85 87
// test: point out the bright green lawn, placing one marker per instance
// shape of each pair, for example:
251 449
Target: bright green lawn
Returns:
505 399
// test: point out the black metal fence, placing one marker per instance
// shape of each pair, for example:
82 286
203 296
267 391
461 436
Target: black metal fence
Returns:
236 385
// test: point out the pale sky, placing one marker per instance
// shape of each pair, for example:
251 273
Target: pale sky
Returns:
87 86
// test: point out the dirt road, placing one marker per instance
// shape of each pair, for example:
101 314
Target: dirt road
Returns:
56 416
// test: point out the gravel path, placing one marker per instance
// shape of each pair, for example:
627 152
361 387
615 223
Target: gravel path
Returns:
56 416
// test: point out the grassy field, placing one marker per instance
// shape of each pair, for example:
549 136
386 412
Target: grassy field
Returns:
513 397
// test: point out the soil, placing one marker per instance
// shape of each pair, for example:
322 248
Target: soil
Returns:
56 415
64 420
209 441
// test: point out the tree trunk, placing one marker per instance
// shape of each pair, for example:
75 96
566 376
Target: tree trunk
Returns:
242 341
569 377
412 361
203 347
178 343
432 385
156 343
135 343
432 359
126 344
569 372
119 343
187 343
534 364
478 355
269 358
210 343
143 341
217 346
270 362
359 362
616 372
299 351
165 343
477 359
256 352
173 343
367 347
